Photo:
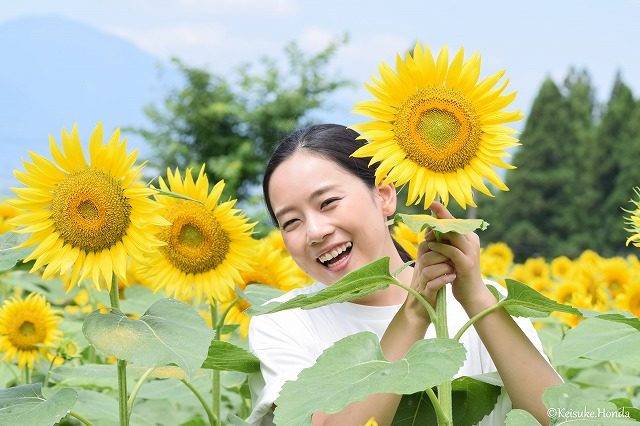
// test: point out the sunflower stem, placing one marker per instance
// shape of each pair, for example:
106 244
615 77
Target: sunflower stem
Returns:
441 416
212 418
136 389
45 382
442 331
79 418
476 318
423 302
26 374
122 364
215 389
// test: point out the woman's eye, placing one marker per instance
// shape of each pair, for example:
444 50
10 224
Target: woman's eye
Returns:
288 224
328 202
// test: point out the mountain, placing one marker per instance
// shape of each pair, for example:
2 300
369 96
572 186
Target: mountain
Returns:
56 72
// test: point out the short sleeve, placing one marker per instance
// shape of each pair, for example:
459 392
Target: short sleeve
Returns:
281 359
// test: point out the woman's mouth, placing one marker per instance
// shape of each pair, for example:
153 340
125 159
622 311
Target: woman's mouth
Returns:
333 258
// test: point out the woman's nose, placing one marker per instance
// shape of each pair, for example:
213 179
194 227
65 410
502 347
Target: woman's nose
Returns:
317 229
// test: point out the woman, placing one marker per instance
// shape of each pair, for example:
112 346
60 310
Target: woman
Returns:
333 221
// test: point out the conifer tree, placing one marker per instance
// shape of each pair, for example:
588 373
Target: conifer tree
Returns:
541 215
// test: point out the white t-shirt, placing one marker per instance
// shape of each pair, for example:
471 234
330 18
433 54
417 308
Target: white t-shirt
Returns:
289 341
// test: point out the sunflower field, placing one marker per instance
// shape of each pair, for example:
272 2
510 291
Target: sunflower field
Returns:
128 302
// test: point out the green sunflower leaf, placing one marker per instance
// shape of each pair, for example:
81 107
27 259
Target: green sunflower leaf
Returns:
600 340
366 280
257 294
568 404
521 418
418 222
227 356
9 255
473 398
169 332
26 405
523 301
626 406
355 367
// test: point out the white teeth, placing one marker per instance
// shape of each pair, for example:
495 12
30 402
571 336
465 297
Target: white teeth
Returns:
335 252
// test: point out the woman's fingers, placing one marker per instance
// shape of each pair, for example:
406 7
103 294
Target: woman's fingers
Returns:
432 273
432 258
440 211
437 283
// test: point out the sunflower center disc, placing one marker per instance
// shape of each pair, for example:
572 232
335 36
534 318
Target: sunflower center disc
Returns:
90 210
26 334
191 236
438 128
27 329
195 240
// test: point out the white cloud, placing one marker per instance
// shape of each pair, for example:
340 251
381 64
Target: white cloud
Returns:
314 39
272 7
173 40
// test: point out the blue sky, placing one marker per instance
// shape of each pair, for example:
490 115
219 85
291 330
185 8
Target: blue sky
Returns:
530 40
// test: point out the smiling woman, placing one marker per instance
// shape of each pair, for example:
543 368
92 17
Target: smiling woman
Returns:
333 217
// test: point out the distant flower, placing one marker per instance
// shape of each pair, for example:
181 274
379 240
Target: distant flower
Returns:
407 239
496 260
633 221
7 211
207 245
28 329
436 127
85 219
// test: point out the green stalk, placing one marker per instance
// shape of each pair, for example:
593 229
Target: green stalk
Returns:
26 374
79 418
45 382
418 296
442 331
476 318
122 364
212 418
442 417
137 388
215 390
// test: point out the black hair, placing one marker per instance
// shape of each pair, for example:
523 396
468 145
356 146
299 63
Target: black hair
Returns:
333 142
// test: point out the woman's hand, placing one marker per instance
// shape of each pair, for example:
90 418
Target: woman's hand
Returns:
462 254
431 272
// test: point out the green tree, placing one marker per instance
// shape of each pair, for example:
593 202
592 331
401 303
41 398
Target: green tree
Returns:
232 124
611 175
526 216
580 193
627 153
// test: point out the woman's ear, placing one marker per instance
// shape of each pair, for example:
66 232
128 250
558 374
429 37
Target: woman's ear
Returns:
387 197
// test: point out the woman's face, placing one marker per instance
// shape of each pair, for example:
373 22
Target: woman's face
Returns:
331 222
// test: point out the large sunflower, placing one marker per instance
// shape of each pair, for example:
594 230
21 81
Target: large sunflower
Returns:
436 127
207 246
85 218
28 328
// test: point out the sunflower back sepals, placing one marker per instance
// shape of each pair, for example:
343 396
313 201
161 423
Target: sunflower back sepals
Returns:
436 127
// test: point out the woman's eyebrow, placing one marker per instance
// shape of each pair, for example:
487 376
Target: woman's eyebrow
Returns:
315 194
